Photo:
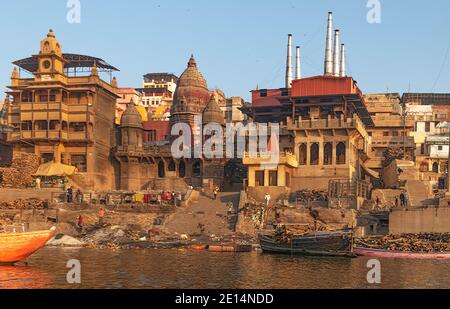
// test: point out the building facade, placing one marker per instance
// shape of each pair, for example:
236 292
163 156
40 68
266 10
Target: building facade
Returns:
65 117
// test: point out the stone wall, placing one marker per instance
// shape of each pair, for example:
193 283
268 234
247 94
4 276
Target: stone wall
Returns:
426 220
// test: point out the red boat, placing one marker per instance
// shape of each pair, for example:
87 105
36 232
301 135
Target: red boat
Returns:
378 253
15 247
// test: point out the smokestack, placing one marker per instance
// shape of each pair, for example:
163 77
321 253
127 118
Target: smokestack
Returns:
289 62
336 54
328 55
297 63
342 72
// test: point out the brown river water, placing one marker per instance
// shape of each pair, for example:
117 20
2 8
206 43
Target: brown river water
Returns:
201 269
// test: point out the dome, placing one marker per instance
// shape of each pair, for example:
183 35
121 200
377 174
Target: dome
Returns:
212 112
131 118
191 94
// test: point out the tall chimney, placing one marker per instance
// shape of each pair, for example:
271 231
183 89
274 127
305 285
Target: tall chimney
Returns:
289 62
342 72
328 70
297 63
336 54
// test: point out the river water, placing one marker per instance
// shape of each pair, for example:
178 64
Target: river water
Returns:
201 269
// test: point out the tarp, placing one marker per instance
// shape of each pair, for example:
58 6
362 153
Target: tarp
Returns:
55 169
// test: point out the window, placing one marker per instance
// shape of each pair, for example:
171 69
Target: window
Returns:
259 178
79 161
314 154
440 148
340 153
302 154
328 154
427 126
273 178
394 133
385 133
46 157
26 126
263 92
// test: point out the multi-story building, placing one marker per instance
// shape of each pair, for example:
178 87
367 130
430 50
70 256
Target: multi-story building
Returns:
158 92
64 111
126 95
391 128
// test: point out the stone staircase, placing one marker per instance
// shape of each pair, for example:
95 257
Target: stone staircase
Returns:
205 217
418 193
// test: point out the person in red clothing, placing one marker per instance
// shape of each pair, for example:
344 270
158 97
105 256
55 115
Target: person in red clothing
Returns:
101 215
80 223
169 197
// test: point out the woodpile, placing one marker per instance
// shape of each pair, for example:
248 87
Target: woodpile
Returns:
19 174
284 233
304 196
31 203
392 154
427 242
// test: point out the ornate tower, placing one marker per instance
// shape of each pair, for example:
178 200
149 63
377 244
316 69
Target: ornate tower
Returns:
130 149
50 58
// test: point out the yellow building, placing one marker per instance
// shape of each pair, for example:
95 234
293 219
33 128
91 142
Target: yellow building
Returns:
65 111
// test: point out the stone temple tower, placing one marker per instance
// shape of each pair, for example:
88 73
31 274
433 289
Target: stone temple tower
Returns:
130 148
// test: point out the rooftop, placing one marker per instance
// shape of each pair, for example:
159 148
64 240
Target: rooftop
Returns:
72 61
426 98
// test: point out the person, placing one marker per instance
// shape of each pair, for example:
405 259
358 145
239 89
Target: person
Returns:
216 190
402 199
159 199
267 198
80 223
45 204
101 215
168 197
174 196
230 208
163 197
79 197
178 199
38 183
69 194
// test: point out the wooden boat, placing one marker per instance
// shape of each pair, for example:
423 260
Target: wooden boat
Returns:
15 247
379 253
338 243
230 248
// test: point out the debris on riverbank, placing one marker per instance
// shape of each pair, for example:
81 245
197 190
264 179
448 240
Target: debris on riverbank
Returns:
427 242
31 203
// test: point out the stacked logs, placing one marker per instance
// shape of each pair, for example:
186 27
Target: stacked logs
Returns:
427 242
20 173
303 196
31 203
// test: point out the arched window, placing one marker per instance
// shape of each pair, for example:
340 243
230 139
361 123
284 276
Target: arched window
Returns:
197 168
182 169
327 154
171 167
435 167
161 169
314 154
302 158
340 153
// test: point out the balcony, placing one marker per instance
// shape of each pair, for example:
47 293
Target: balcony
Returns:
283 158
393 142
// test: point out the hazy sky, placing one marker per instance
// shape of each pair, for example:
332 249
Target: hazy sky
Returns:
240 43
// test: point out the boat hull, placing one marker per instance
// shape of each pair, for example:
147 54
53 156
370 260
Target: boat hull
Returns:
15 247
324 244
401 255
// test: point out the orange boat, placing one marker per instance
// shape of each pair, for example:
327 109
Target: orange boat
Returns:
15 247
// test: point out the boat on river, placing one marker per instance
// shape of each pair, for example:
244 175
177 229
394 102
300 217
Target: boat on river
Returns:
381 253
321 243
17 246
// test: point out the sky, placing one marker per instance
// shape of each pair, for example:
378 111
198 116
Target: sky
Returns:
239 44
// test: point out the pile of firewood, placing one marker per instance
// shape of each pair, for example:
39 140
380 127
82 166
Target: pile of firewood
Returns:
427 242
392 154
31 203
303 196
20 173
